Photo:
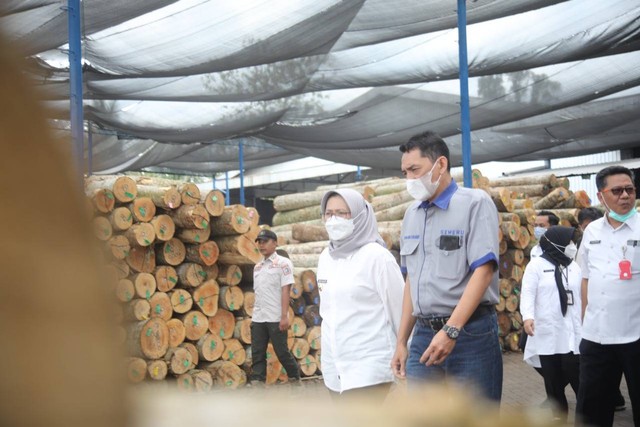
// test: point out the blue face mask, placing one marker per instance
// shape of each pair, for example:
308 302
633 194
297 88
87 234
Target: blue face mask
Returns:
538 232
618 217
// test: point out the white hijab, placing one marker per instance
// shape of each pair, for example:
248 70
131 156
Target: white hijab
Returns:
364 220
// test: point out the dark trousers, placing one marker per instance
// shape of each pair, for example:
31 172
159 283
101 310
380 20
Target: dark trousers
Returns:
600 368
261 333
558 370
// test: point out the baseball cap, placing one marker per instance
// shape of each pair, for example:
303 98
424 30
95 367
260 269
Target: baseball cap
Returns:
266 234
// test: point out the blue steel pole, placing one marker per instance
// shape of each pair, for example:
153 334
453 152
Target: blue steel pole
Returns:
227 197
75 79
241 155
465 118
89 150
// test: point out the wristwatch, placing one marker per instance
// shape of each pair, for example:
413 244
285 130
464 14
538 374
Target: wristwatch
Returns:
451 331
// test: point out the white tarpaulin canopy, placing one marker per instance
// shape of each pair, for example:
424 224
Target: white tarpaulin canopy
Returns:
176 85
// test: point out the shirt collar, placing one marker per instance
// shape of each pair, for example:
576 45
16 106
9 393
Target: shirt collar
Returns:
632 223
443 199
273 257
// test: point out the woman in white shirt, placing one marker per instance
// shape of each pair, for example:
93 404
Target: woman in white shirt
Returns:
551 308
361 289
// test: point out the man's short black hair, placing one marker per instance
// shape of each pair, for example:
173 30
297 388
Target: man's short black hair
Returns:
590 214
431 145
553 218
601 177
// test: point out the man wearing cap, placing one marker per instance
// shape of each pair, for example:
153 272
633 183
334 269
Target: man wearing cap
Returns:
272 280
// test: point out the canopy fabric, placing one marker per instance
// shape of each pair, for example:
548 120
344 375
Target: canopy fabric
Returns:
177 85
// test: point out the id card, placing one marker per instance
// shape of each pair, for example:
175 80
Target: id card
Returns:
569 297
624 267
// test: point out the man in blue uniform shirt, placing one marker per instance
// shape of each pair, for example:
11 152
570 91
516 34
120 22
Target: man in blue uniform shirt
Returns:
449 250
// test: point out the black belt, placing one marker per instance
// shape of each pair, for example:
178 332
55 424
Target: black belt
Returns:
437 322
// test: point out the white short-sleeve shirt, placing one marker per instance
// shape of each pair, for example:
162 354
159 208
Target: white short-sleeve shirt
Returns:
269 276
361 306
613 304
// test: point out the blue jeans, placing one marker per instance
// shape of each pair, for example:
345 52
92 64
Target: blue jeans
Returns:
476 357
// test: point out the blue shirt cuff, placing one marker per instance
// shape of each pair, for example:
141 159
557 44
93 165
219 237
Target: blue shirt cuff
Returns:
482 261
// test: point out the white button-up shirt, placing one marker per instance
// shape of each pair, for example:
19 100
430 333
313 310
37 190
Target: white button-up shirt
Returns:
360 305
539 300
536 251
613 305
269 276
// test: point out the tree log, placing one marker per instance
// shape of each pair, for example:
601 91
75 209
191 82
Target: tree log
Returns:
195 324
380 203
190 274
500 306
307 278
231 298
137 309
509 217
193 235
249 302
298 215
206 297
395 187
142 209
527 216
213 202
510 230
549 180
305 260
297 306
119 247
237 250
165 197
504 324
202 380
136 369
394 213
227 374
161 306
511 341
166 278
211 271
306 248
506 287
229 275
103 200
298 327
121 218
144 284
233 351
204 253
102 228
164 227
141 259
516 256
311 316
210 347
157 369
177 332
222 324
308 365
552 199
148 339
190 216
242 330
233 221
181 300
501 198
512 303
313 336
296 288
123 187
121 268
524 203
178 360
125 290
190 193
309 233
142 234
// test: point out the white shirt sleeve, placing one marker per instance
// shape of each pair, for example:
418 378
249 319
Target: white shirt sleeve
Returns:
530 281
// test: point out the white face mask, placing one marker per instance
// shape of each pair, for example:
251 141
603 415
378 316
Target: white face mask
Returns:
422 188
339 228
538 232
571 250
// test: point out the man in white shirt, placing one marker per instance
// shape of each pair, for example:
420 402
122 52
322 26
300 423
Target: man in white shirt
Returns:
272 280
610 261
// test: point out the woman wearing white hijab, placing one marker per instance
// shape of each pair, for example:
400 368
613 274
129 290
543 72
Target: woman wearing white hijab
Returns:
361 289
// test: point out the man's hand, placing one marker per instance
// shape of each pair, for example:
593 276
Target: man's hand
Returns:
529 327
399 361
284 323
441 346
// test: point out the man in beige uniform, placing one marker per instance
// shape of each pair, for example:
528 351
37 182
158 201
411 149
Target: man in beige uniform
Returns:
272 280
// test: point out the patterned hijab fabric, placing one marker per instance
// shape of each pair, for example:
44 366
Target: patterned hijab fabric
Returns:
364 220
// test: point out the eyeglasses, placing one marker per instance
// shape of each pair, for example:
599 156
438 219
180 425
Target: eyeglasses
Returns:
617 191
341 214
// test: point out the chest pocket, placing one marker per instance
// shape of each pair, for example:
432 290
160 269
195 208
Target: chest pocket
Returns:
409 252
450 257
633 254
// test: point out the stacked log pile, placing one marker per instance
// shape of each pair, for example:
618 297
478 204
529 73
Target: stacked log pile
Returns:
182 266
301 233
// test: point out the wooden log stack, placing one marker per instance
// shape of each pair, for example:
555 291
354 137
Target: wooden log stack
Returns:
182 265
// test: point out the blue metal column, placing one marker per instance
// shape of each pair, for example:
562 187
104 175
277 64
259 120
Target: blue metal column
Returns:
465 118
89 150
241 156
75 80
359 174
227 197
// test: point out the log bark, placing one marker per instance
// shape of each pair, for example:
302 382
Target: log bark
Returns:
166 278
512 303
552 199
177 332
298 215
503 247
171 252
305 260
297 306
204 253
306 248
549 180
141 234
237 250
164 227
190 216
504 324
227 374
213 202
233 221
206 297
394 213
509 217
157 369
190 274
210 347
524 203
195 324
309 233
123 187
396 187
162 197
380 203
522 191
161 306
242 331
231 298
142 209
119 247
527 216
510 230
141 259
229 275
222 324
516 256
211 271
501 198
148 339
